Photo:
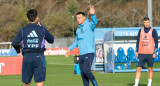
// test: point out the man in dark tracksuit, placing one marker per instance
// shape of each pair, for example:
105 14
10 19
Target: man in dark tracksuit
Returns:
147 47
32 38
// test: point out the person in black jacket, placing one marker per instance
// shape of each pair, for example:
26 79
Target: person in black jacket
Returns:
32 38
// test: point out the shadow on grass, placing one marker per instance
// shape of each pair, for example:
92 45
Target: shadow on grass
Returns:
131 84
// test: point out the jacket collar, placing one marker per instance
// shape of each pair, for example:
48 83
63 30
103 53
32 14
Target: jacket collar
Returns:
32 24
81 25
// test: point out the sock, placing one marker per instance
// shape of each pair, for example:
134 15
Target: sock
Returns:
94 82
136 82
149 82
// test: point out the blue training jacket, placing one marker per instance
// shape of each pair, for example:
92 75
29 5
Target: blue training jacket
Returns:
32 38
85 36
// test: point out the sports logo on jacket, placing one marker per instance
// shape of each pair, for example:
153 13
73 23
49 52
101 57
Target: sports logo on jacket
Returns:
33 34
32 40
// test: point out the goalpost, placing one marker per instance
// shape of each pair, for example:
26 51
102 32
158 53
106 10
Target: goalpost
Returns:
6 45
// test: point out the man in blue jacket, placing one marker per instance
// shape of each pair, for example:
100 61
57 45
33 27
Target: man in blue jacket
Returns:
32 38
85 42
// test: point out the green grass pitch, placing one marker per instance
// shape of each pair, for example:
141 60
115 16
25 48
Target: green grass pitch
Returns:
60 73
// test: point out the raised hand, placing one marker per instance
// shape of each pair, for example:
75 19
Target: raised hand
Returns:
38 23
92 10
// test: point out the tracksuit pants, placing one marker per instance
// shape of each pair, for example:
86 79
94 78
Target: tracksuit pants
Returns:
85 63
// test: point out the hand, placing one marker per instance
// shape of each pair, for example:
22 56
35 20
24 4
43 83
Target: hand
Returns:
39 24
67 53
136 54
92 10
20 53
154 56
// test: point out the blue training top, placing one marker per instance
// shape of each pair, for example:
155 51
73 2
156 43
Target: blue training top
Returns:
32 38
85 36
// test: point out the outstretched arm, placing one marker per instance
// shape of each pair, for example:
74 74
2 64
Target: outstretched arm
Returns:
74 45
93 17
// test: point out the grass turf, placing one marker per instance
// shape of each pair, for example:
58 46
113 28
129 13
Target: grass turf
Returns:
60 73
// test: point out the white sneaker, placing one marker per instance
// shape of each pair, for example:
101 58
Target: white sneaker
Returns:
149 85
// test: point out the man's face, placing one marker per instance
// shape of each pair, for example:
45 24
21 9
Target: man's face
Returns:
147 24
80 19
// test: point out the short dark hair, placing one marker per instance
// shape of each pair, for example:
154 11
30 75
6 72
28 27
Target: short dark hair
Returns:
32 15
78 13
146 18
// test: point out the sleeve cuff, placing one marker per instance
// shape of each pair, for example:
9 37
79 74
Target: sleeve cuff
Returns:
18 51
156 50
136 50
69 49
93 15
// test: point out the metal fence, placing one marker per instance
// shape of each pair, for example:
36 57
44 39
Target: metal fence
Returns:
58 42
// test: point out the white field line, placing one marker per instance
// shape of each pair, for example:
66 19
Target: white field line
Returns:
59 64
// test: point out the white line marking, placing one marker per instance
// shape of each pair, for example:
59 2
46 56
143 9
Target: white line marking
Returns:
60 64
